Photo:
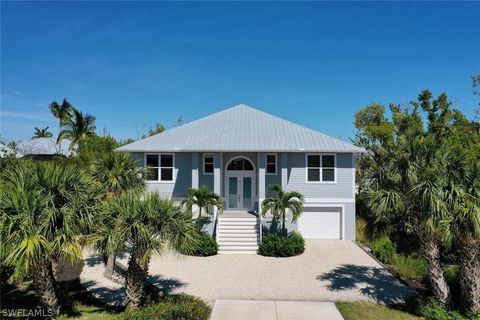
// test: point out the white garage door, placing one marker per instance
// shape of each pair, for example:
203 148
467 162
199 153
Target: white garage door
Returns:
320 223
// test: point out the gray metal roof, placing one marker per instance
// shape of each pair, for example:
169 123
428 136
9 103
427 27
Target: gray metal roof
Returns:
240 128
44 146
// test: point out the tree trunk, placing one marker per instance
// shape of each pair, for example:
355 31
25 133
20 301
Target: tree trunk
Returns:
135 282
470 275
110 267
283 223
431 254
47 287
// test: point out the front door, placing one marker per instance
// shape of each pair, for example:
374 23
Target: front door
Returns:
240 191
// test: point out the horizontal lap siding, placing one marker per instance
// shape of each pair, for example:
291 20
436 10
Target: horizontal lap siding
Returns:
183 176
343 188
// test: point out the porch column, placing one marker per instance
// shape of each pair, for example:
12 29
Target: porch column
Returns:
217 173
284 169
195 166
261 180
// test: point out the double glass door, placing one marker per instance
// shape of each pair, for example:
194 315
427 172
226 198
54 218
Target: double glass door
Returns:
240 191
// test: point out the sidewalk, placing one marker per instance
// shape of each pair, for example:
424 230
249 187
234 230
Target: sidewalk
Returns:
274 310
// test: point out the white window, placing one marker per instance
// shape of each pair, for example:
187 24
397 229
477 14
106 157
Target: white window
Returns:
207 163
271 159
321 168
160 167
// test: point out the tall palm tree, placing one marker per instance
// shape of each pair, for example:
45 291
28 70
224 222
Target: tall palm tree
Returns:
46 208
61 111
204 199
42 133
411 185
77 128
117 173
148 225
282 202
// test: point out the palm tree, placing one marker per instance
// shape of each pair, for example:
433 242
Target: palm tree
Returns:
148 225
45 208
461 227
282 202
77 128
411 185
117 173
61 111
203 198
42 133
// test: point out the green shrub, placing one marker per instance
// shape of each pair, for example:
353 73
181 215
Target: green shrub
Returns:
174 307
206 246
411 267
275 244
383 249
431 309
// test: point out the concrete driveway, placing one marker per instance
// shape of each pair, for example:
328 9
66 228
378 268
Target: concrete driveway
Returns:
329 270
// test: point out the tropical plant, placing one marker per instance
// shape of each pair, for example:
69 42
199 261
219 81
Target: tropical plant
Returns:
77 128
146 225
410 185
204 199
46 208
117 173
283 201
61 111
461 227
41 133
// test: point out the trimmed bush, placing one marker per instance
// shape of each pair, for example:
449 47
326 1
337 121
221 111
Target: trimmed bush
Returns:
411 267
279 245
174 307
206 246
383 249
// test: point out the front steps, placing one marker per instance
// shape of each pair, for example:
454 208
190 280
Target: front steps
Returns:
237 234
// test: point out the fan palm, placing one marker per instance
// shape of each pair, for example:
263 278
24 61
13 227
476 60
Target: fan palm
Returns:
41 133
282 202
411 185
117 173
204 199
148 225
61 111
461 228
77 128
46 209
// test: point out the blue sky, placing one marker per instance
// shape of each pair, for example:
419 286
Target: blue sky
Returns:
134 64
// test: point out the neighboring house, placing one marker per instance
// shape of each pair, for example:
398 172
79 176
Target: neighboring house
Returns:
45 148
6 151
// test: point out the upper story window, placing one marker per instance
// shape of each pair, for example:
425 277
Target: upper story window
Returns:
160 167
208 163
321 168
240 164
271 163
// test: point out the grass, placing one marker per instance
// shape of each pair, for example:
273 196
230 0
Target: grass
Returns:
372 311
410 268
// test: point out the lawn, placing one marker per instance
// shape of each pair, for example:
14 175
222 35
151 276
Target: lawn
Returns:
371 311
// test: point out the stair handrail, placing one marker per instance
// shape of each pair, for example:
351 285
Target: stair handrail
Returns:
215 219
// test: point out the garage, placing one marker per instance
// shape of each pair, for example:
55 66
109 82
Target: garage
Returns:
321 222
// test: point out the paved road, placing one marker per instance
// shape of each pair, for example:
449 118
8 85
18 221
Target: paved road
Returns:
274 310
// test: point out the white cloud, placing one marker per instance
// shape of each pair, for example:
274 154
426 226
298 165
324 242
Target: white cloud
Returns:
25 116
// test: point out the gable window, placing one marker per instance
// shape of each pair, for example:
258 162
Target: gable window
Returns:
160 167
208 163
320 168
272 163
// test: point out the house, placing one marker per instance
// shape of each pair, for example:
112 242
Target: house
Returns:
239 152
6 151
45 148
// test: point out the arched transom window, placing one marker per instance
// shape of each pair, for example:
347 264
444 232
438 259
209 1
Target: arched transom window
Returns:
240 164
